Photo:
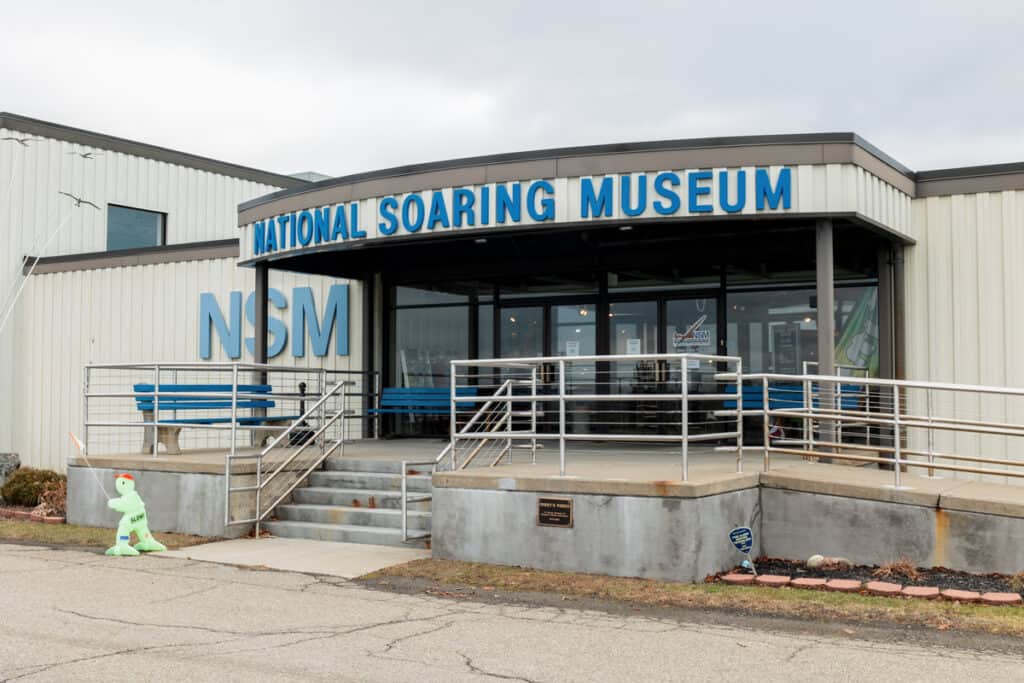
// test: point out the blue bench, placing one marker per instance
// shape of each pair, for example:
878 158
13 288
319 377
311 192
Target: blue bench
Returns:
196 397
422 400
789 396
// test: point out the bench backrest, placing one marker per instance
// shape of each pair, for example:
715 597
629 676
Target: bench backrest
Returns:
435 398
785 395
195 396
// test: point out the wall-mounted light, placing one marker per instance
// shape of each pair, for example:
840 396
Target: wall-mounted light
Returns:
512 319
584 312
480 240
625 228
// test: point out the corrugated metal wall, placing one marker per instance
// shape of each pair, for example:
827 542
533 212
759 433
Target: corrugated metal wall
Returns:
130 314
965 306
200 206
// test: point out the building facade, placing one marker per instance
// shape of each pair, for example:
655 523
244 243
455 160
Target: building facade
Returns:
726 245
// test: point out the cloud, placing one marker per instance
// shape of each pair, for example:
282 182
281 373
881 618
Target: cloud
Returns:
339 88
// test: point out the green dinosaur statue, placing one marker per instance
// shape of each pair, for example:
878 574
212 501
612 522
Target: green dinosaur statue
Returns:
133 518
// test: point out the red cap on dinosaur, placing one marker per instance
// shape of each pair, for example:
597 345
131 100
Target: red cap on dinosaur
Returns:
126 476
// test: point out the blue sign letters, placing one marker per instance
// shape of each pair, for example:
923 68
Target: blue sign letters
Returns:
668 193
304 319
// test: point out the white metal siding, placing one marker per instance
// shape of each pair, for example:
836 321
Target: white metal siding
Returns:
200 206
130 314
965 306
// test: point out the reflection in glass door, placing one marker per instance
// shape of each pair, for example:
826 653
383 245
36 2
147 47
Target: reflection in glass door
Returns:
574 333
691 325
633 328
522 332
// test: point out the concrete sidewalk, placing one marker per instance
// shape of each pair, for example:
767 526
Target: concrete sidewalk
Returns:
345 560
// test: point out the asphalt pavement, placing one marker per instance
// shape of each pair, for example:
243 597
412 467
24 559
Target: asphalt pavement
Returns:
78 615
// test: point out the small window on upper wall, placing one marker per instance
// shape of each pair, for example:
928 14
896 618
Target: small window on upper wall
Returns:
129 228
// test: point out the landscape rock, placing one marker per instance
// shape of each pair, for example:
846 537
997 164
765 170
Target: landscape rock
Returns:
8 463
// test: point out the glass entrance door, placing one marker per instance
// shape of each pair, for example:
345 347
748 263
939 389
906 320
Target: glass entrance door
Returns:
691 325
522 331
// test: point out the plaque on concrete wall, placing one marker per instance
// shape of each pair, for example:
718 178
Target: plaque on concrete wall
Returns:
555 512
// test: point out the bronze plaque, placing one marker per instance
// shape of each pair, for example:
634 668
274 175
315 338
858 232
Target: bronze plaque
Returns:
555 512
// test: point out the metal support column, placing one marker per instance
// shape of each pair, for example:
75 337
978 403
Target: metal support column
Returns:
826 320
262 298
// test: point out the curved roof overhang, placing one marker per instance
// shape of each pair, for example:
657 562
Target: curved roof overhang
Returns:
713 180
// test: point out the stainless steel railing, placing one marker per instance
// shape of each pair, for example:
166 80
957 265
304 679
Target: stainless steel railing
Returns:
112 420
935 426
287 467
480 417
644 398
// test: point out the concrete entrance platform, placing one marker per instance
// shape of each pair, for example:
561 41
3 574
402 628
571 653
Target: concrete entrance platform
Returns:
345 560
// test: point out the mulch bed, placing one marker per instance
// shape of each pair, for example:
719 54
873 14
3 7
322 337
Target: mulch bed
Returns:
937 576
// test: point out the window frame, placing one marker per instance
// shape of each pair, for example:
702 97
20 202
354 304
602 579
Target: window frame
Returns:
161 238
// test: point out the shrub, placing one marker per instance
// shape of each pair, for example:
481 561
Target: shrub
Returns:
903 568
54 498
26 485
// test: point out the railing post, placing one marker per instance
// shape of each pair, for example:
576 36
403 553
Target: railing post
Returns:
234 406
809 409
739 415
156 410
405 503
765 428
85 410
839 411
452 414
931 432
259 490
533 413
896 435
323 413
684 415
508 422
561 418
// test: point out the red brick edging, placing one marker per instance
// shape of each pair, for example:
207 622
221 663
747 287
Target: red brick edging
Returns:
27 514
880 588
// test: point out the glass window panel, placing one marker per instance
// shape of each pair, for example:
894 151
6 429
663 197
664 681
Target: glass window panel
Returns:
485 331
522 332
633 327
777 331
129 228
426 340
691 325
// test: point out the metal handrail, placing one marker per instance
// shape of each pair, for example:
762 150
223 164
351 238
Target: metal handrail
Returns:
894 417
305 416
406 464
683 399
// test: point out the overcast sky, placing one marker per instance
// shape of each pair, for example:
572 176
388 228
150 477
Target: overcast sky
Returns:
341 87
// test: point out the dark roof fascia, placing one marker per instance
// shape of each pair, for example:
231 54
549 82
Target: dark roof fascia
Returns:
591 150
88 138
171 253
970 171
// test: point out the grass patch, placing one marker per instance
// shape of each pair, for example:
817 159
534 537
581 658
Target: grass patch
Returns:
785 602
74 535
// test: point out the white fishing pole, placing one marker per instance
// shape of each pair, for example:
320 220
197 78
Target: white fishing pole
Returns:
81 452
28 276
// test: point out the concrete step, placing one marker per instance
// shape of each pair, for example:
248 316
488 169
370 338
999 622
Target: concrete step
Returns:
367 480
353 516
338 533
338 463
356 498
